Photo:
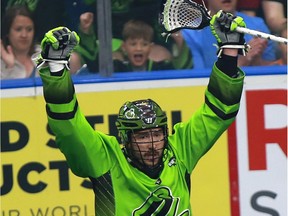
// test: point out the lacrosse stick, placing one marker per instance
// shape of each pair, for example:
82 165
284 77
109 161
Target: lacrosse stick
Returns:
187 14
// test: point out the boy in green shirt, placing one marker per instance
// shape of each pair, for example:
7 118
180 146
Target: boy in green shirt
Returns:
136 49
150 175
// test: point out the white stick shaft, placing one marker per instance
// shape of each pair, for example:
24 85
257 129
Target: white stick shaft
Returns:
262 35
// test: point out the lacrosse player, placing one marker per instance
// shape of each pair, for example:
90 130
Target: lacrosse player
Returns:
151 174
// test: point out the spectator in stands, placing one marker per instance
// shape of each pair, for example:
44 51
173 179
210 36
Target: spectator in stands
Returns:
145 10
17 43
86 54
201 42
275 13
150 11
136 48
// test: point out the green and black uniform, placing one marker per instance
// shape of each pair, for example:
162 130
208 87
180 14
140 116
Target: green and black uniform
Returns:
121 189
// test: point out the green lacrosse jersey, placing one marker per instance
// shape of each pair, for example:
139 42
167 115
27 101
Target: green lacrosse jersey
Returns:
121 189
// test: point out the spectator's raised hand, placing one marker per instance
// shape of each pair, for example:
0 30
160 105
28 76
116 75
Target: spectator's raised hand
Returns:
257 47
7 55
254 56
86 21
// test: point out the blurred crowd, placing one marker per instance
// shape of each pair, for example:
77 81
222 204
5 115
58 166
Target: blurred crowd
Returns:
137 41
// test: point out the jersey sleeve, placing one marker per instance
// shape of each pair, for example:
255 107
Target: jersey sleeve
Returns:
76 139
193 138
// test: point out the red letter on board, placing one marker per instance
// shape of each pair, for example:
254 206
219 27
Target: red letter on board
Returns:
258 135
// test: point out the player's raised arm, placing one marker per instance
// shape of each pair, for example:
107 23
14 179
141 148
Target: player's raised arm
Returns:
222 96
73 133
57 46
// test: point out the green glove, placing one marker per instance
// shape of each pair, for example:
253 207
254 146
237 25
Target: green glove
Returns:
223 26
58 44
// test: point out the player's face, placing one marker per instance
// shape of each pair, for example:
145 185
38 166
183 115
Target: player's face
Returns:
137 50
148 145
21 34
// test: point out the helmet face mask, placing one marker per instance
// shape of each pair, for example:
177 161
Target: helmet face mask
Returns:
147 146
142 127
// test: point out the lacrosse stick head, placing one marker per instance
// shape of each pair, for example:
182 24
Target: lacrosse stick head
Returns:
184 14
